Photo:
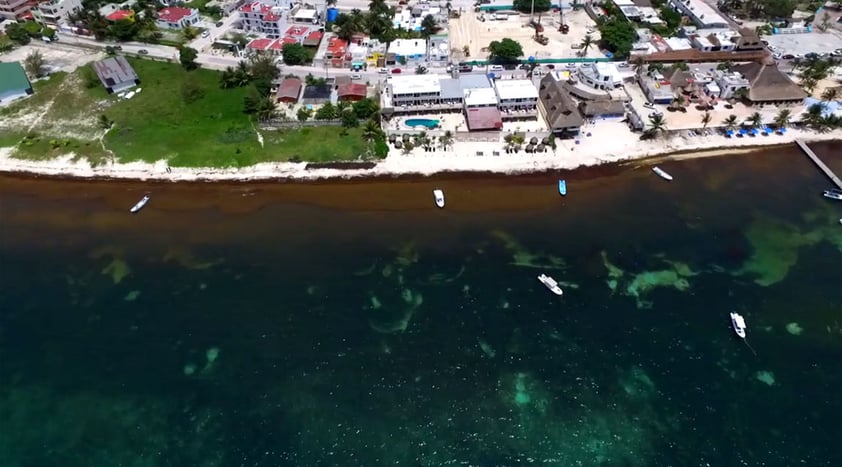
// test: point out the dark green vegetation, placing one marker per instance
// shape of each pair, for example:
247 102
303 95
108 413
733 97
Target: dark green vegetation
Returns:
505 51
377 22
190 118
526 6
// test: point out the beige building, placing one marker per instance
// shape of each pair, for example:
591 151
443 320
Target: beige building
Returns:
13 9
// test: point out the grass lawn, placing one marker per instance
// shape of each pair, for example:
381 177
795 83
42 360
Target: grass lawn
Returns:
212 131
157 124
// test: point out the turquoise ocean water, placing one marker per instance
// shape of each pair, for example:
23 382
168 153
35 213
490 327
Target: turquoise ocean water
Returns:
353 324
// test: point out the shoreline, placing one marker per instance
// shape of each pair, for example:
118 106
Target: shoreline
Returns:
417 165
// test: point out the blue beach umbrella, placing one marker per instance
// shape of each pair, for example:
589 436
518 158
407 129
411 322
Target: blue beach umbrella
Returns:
729 133
754 131
782 130
743 131
767 130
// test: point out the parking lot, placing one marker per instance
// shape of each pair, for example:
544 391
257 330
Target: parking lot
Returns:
469 30
802 44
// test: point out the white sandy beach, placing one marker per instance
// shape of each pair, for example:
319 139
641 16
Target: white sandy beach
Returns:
609 143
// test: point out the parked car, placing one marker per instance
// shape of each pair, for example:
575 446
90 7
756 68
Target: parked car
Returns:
496 68
550 66
219 24
356 76
396 70
383 71
649 105
205 33
788 56
466 68
143 51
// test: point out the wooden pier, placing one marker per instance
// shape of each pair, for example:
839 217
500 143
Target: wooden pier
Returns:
832 176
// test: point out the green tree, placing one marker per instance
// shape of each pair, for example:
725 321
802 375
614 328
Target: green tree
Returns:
124 30
525 6
104 122
326 112
755 120
189 33
586 44
830 94
657 124
776 8
505 50
371 130
783 118
730 123
187 57
429 26
303 114
706 118
350 120
294 54
618 36
725 66
17 33
34 64
365 108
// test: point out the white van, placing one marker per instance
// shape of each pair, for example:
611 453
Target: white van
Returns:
496 68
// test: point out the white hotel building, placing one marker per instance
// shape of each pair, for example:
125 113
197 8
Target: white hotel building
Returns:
516 98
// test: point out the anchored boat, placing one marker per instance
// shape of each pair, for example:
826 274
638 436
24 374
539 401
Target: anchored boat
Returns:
438 195
833 193
661 173
551 284
739 324
140 204
562 187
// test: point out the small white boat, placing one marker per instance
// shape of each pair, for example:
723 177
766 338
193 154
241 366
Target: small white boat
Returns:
661 173
833 193
551 284
439 197
739 324
140 204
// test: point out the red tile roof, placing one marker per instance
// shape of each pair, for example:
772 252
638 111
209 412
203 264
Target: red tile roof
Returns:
289 89
120 15
352 89
174 14
336 46
484 118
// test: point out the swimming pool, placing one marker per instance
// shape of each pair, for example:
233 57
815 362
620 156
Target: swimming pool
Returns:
426 122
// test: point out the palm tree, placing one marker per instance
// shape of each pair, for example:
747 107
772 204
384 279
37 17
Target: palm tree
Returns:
678 102
446 139
783 117
657 124
706 119
730 123
755 120
813 117
830 94
638 64
189 32
586 44
371 130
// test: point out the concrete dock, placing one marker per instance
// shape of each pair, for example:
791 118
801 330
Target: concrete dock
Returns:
832 176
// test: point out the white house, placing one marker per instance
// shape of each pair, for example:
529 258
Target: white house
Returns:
55 11
260 18
175 17
600 75
516 96
411 50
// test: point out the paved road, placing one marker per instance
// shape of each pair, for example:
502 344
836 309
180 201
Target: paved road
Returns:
203 43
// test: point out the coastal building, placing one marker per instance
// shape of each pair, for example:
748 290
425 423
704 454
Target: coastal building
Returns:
54 12
289 90
409 51
731 83
603 109
557 107
177 17
404 94
700 13
305 14
14 9
116 74
351 92
480 109
718 41
438 49
317 94
13 82
271 46
600 75
769 86
516 98
260 18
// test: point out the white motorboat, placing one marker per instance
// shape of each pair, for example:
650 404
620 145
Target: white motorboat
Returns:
140 204
551 284
833 193
439 197
661 173
739 324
